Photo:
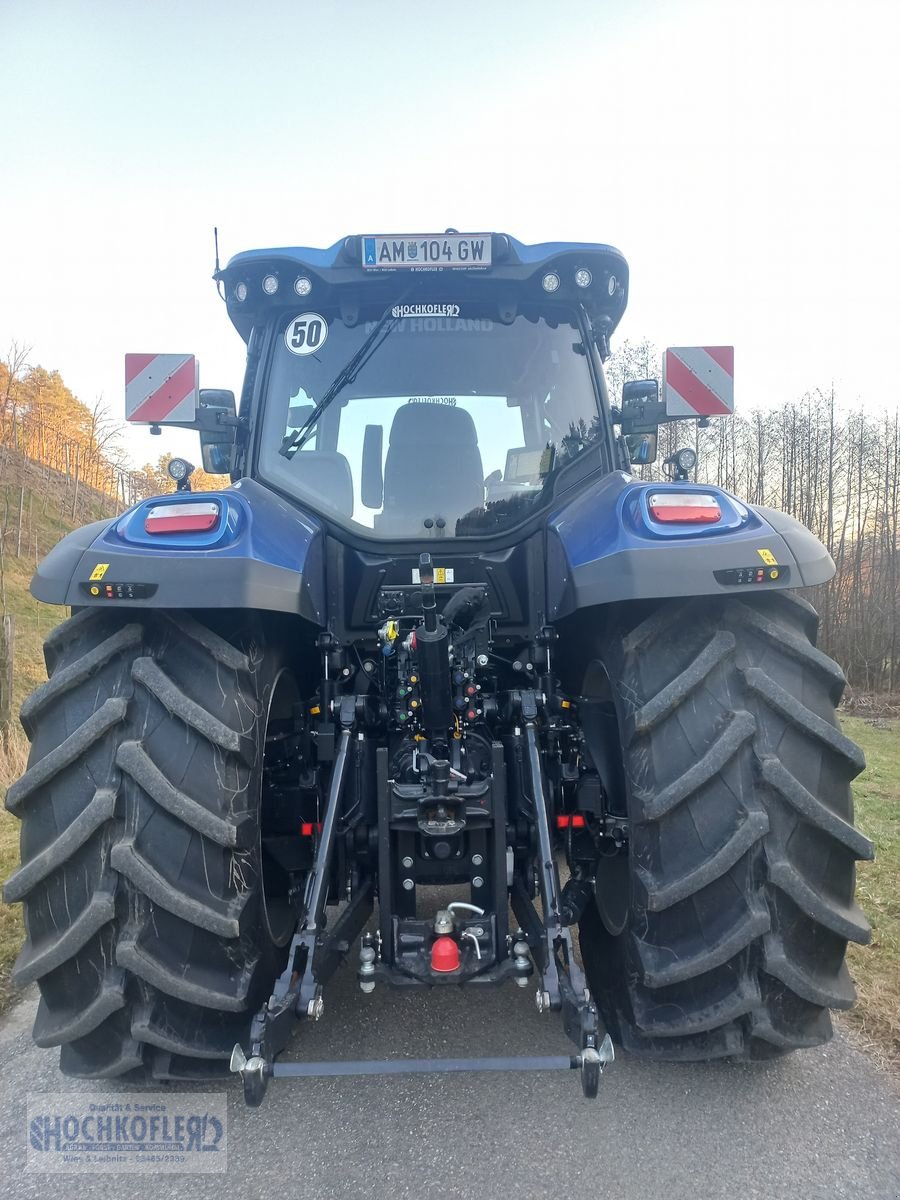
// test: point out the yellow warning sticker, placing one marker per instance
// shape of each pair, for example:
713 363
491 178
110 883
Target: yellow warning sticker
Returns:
768 557
101 568
441 575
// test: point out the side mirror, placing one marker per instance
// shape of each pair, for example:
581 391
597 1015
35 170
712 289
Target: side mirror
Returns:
217 458
642 411
216 419
641 448
372 482
642 408
218 398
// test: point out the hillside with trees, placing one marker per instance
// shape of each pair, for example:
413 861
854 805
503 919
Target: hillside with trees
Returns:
62 465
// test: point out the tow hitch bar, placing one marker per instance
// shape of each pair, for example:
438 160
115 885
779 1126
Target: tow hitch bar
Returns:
255 1071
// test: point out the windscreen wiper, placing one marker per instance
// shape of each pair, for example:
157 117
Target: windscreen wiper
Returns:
347 374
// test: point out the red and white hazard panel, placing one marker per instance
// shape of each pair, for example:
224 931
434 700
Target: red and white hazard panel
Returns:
161 387
698 381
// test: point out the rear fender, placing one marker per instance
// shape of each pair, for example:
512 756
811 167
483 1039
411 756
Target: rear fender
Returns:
604 547
261 554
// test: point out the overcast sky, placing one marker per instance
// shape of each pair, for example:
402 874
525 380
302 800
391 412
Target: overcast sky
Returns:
744 157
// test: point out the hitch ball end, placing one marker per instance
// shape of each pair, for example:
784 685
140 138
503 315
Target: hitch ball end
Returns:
521 962
367 969
253 1072
591 1062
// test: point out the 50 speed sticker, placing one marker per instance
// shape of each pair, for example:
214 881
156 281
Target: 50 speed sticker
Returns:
306 334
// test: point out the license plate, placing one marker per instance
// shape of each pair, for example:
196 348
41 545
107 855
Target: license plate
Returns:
428 251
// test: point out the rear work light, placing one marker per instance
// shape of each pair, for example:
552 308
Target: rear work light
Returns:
192 517
684 508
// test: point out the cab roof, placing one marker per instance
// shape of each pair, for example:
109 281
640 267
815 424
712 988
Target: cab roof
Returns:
336 275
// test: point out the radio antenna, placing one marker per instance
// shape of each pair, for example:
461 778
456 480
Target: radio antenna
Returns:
219 288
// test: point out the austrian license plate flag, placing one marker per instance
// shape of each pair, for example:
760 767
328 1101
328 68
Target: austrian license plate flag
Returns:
412 251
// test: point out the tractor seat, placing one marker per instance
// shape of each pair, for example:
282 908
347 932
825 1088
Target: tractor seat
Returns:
432 469
326 475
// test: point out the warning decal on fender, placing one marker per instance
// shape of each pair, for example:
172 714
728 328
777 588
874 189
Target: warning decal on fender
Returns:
768 558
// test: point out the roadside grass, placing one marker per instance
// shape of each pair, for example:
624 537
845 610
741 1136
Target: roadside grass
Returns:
876 967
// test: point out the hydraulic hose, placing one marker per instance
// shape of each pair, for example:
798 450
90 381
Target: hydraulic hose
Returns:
432 642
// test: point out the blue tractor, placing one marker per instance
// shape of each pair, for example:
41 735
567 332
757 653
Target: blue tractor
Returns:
436 682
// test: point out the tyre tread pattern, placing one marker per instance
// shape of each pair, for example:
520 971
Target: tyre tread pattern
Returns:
148 672
220 918
111 712
38 959
78 672
89 820
138 874
135 761
53 1030
737 730
739 786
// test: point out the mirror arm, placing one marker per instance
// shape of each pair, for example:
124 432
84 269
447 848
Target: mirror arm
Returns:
207 420
601 331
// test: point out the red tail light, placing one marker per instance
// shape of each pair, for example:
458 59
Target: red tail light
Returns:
570 821
689 508
192 517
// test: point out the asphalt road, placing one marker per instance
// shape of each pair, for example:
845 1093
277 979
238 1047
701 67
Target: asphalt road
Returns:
820 1125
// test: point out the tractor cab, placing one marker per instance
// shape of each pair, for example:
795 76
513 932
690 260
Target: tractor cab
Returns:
420 388
425 388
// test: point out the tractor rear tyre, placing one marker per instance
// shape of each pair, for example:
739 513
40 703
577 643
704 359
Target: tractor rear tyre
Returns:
149 931
722 933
